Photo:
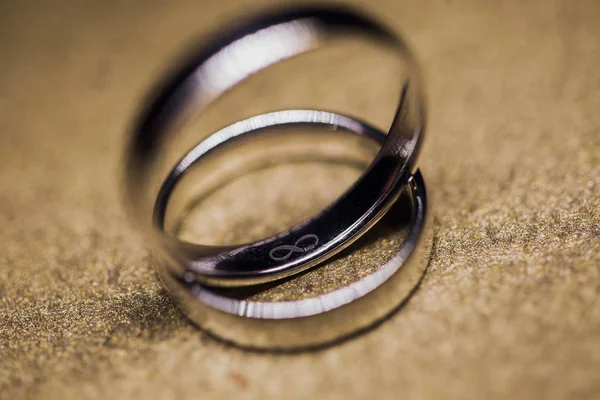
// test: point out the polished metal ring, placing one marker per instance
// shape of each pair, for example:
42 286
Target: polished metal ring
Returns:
217 67
320 320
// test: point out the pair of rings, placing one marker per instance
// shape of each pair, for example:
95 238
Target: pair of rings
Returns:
193 273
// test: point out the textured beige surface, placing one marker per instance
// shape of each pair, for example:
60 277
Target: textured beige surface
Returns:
508 308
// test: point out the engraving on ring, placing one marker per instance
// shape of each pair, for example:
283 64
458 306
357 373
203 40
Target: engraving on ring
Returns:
295 248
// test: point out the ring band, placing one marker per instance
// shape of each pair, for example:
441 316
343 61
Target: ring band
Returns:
284 35
323 319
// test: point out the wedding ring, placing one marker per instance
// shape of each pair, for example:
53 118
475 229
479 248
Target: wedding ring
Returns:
316 321
217 67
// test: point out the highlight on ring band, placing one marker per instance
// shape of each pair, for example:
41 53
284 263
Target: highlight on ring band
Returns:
204 279
253 52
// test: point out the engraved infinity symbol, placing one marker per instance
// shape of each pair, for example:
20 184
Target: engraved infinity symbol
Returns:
296 248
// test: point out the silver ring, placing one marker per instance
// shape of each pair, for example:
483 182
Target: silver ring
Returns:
324 319
215 69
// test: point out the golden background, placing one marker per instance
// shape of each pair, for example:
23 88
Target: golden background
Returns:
508 307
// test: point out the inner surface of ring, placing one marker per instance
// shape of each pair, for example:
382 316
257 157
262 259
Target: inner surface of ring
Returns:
279 178
262 257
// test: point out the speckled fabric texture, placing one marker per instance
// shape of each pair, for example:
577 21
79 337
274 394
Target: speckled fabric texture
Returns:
508 307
